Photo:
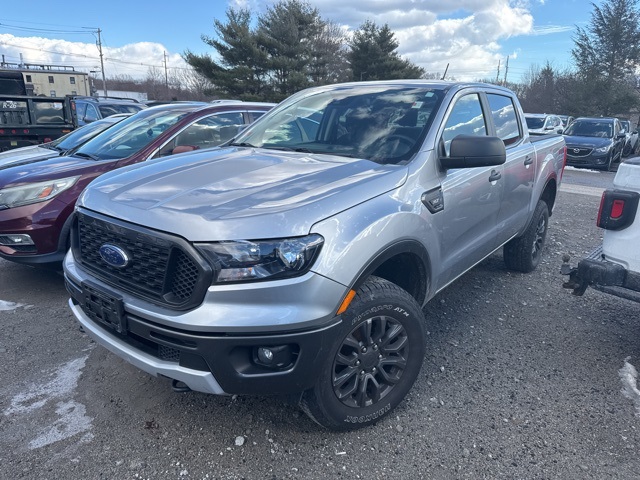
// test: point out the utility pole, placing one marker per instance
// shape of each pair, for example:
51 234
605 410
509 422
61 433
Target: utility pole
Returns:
506 70
104 81
166 75
498 73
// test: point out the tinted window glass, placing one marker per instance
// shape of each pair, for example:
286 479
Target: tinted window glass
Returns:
590 128
80 135
385 124
207 132
49 112
130 135
466 118
534 122
504 118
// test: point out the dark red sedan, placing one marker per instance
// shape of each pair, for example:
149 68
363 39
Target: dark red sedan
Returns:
37 198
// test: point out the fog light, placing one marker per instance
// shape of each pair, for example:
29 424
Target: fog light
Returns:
278 357
265 355
15 239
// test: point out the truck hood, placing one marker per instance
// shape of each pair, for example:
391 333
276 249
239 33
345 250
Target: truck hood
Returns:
39 169
588 142
239 193
25 155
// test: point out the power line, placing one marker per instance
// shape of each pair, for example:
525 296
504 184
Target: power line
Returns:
111 59
40 30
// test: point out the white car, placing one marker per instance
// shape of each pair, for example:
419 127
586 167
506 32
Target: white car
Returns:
614 266
543 124
631 144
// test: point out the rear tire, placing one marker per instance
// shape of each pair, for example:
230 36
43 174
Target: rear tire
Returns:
524 253
374 361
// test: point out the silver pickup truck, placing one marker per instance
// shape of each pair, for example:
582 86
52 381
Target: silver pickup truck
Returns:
296 259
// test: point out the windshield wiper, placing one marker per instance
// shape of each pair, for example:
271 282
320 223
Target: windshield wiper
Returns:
87 155
241 144
51 147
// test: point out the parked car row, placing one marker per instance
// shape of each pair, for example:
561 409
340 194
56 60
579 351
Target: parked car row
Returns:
39 185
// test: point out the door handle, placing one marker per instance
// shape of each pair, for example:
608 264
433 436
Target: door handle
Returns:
495 175
528 160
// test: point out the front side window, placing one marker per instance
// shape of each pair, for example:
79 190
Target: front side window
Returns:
504 117
206 132
466 118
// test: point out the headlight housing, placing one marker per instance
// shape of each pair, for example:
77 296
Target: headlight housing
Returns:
245 261
602 149
34 192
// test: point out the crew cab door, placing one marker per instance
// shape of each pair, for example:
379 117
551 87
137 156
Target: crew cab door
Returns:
519 170
471 196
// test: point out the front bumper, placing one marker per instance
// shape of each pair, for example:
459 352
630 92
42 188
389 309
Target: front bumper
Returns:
589 161
211 358
608 277
46 224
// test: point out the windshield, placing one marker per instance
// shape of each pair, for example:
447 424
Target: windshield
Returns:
113 109
130 135
534 123
590 128
80 135
385 124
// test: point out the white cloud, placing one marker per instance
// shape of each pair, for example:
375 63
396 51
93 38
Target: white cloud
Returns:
133 59
467 35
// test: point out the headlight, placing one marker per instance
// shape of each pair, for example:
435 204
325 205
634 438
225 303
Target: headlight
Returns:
602 149
34 192
241 261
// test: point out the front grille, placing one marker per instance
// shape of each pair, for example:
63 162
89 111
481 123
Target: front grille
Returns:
574 151
169 354
162 268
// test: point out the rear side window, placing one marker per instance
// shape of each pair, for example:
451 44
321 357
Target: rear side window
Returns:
466 118
504 117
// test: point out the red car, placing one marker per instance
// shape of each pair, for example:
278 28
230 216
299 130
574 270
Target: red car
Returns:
37 198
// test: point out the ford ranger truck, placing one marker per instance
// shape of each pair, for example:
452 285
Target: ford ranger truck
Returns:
296 259
614 266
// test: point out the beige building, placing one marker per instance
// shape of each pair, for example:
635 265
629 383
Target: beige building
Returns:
49 80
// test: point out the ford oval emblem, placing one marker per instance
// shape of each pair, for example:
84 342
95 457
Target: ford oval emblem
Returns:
114 255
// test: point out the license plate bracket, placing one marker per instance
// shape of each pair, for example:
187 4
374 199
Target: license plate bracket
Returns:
104 307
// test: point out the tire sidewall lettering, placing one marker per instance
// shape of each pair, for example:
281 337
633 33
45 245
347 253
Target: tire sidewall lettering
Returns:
370 417
377 309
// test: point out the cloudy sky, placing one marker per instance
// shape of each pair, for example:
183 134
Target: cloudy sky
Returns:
471 37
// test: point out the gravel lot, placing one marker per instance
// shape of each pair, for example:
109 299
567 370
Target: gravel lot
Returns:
521 380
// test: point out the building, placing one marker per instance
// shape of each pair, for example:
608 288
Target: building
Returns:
42 80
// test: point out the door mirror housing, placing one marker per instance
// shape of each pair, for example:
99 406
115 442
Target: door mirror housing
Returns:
468 151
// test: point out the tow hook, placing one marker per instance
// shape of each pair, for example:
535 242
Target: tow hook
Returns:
179 387
579 287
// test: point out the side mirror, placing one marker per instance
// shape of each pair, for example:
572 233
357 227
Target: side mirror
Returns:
560 131
468 151
621 135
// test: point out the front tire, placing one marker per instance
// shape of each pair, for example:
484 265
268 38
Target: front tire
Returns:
524 253
374 361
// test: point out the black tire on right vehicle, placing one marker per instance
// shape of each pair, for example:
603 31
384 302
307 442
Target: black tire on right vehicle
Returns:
524 253
374 361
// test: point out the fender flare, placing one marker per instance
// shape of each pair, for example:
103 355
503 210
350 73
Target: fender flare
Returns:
413 247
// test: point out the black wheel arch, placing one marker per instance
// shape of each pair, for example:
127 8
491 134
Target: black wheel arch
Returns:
549 193
406 264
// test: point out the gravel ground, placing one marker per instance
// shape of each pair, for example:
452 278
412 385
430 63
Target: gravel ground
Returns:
521 380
